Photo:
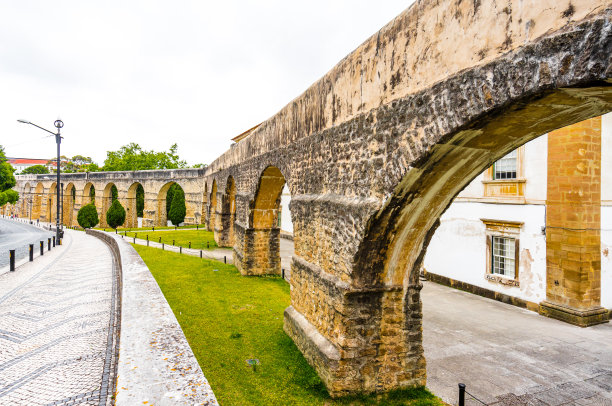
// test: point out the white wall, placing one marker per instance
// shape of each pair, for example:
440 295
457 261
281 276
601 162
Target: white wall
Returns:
458 248
286 224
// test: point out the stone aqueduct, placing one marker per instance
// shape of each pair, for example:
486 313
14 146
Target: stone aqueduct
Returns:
374 152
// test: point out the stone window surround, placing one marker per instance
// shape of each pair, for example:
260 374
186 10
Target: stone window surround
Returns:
500 187
502 228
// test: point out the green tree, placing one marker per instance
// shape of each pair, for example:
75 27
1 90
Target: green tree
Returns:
115 216
170 194
114 193
132 157
87 216
35 169
177 210
139 200
7 181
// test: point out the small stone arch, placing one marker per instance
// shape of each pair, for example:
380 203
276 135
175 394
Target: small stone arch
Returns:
204 218
26 209
89 194
212 208
227 216
162 214
68 204
37 201
51 202
261 246
107 200
132 204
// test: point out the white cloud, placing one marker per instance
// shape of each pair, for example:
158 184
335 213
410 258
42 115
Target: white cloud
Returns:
159 72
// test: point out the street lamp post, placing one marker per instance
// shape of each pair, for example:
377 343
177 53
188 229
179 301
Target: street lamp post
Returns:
58 140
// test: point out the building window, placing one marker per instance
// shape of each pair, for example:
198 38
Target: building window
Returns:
503 260
502 251
506 167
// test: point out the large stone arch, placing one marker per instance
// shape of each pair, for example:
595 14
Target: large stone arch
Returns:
68 204
86 196
227 215
380 145
257 249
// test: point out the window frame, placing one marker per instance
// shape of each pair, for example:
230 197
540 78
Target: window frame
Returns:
502 229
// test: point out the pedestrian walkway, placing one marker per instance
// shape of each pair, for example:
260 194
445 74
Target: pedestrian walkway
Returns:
511 356
58 333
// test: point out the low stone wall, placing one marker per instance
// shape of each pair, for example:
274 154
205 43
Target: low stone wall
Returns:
156 364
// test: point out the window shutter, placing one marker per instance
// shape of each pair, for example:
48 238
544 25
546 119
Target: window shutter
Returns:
489 254
516 258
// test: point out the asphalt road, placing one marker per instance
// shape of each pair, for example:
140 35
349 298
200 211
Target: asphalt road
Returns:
16 235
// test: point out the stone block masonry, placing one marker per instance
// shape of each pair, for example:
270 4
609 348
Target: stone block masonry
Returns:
573 225
374 152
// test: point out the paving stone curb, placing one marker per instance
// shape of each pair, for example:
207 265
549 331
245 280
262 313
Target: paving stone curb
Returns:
156 364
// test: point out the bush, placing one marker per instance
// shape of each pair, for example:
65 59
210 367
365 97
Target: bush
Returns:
88 216
115 216
177 210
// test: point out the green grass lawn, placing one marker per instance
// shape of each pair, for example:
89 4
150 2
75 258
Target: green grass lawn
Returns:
228 319
201 226
201 239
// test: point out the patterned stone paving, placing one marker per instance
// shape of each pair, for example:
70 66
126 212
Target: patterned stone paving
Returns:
58 334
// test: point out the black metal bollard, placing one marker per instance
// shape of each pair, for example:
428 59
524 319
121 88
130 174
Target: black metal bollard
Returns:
12 260
180 250
174 228
200 253
461 394
42 248
172 242
115 231
207 244
160 240
147 240
224 259
197 227
31 252
54 241
153 228
162 246
48 244
134 239
189 244
283 272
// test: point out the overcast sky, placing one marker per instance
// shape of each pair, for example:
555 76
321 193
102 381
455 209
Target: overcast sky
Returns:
195 73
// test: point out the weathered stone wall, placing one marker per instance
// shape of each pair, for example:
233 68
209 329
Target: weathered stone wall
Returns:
573 224
41 189
375 151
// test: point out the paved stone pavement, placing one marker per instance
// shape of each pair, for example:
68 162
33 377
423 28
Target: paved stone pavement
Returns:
511 356
57 327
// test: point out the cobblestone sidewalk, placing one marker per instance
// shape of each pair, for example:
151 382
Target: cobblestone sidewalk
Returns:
57 327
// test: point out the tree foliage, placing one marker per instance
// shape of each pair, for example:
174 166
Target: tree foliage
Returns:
115 216
88 216
35 170
177 210
78 163
7 181
139 200
132 157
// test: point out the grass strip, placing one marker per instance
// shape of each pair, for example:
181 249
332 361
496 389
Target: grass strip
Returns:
229 319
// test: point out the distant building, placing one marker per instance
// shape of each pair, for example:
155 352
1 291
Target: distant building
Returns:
22 163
